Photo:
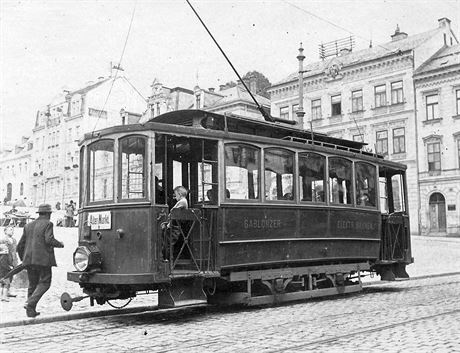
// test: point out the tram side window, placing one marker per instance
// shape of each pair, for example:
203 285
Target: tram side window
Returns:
340 181
365 178
242 172
279 174
132 167
383 190
312 176
101 170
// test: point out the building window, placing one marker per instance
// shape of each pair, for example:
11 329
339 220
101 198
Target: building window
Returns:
357 101
197 99
434 156
399 140
316 109
380 96
432 107
381 146
284 112
458 101
21 189
358 137
295 107
397 92
336 105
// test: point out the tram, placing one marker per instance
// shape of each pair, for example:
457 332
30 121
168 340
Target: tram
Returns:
276 213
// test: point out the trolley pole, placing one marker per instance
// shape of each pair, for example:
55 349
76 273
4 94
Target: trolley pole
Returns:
300 112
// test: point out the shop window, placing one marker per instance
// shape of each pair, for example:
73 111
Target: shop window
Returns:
279 174
242 172
312 177
340 181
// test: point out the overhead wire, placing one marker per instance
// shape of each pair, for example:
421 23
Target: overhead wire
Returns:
118 66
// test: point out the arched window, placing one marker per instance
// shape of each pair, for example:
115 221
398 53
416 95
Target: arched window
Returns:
340 181
279 174
242 172
312 177
366 184
132 156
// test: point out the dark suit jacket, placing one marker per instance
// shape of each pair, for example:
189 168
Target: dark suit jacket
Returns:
37 243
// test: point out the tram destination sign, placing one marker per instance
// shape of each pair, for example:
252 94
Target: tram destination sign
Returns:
100 220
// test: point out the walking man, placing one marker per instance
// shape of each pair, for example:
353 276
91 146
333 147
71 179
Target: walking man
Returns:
36 250
69 213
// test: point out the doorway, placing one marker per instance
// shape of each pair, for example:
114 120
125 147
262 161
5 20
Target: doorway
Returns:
437 206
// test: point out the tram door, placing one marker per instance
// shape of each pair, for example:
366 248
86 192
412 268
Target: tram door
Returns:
192 163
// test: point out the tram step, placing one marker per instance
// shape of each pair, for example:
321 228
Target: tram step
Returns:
181 289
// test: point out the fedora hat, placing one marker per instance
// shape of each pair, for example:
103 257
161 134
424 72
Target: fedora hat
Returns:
44 208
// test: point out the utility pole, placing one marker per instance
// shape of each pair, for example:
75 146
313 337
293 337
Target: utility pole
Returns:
300 112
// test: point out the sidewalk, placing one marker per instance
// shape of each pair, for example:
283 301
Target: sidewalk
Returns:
432 256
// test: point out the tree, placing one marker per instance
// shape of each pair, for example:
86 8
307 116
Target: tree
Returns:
262 83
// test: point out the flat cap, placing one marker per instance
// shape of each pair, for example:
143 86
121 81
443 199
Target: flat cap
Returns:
44 208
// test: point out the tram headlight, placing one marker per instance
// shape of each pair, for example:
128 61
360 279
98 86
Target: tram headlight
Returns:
86 257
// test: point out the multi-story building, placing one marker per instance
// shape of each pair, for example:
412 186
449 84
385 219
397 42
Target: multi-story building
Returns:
437 86
58 127
368 95
15 172
231 100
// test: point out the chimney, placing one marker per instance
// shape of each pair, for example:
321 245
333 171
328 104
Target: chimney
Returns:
444 22
398 35
211 89
222 87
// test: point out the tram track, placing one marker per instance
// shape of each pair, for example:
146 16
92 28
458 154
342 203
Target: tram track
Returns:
364 330
368 288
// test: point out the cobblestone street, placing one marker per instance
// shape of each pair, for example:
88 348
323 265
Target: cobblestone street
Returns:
420 315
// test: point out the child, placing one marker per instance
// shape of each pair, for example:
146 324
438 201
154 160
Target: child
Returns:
6 265
12 244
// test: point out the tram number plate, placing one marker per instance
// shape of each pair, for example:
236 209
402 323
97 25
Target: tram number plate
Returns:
100 220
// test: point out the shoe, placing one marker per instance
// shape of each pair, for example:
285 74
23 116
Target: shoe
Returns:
32 313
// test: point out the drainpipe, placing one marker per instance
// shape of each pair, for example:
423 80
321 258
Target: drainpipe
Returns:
419 230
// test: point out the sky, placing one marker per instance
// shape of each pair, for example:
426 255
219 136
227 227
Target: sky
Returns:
48 46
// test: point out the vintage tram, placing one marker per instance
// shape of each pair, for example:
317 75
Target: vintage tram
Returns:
275 213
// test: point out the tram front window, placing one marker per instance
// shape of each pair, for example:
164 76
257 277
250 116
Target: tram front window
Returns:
279 174
312 175
132 167
101 170
242 166
340 181
365 178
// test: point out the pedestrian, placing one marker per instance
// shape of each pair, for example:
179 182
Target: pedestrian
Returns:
36 250
11 242
69 213
6 265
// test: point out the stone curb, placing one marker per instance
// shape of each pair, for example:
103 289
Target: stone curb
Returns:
141 309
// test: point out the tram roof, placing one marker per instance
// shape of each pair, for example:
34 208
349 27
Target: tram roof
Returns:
239 124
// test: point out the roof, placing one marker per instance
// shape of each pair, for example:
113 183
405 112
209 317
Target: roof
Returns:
238 124
239 93
91 86
368 54
444 58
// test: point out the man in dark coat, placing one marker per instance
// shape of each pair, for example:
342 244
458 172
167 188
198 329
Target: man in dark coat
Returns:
36 250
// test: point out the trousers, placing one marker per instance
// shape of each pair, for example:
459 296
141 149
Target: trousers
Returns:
39 283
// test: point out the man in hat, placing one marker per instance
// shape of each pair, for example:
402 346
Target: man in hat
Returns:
36 250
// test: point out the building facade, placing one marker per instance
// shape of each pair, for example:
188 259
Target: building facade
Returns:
58 127
368 96
15 173
437 86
